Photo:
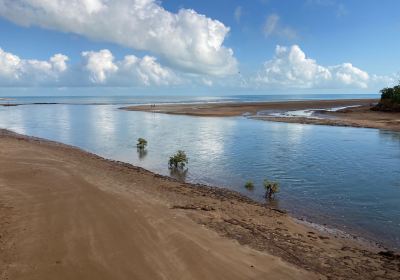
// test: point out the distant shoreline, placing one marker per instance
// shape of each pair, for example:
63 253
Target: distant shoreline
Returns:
360 116
231 109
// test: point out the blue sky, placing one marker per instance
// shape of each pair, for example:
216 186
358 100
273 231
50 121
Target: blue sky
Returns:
206 46
365 33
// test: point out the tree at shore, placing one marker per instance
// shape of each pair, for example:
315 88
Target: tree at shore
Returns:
390 100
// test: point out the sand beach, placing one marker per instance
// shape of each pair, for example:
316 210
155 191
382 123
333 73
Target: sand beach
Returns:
69 214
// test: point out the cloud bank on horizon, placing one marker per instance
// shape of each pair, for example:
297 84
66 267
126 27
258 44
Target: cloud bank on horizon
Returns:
189 45
97 68
291 68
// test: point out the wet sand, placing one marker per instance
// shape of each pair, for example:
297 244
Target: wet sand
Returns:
69 214
238 109
361 116
356 117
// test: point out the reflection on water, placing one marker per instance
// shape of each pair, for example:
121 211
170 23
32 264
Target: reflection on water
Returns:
179 174
142 153
272 203
390 136
346 177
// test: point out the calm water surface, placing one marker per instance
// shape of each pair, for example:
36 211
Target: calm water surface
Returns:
344 177
121 100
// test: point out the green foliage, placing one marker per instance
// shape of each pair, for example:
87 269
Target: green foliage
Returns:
271 188
141 143
392 94
249 185
179 160
390 100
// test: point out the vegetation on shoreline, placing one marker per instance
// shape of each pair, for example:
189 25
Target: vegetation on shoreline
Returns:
179 160
390 100
271 188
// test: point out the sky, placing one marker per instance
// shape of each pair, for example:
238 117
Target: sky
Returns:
191 46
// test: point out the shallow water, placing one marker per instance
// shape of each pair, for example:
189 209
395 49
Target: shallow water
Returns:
344 177
149 99
306 113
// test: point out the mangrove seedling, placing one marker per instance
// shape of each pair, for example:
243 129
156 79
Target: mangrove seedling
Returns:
249 185
179 160
271 188
141 143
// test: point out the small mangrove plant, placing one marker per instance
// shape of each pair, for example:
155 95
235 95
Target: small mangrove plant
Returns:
141 143
178 160
249 185
271 188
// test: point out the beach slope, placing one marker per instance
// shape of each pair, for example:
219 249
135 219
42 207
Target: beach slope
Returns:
68 214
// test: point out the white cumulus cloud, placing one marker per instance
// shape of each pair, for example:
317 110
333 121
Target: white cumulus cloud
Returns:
291 68
17 71
186 40
148 71
97 68
99 65
132 70
347 74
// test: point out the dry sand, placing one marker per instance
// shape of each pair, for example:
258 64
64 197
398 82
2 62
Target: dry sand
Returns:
356 117
68 214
